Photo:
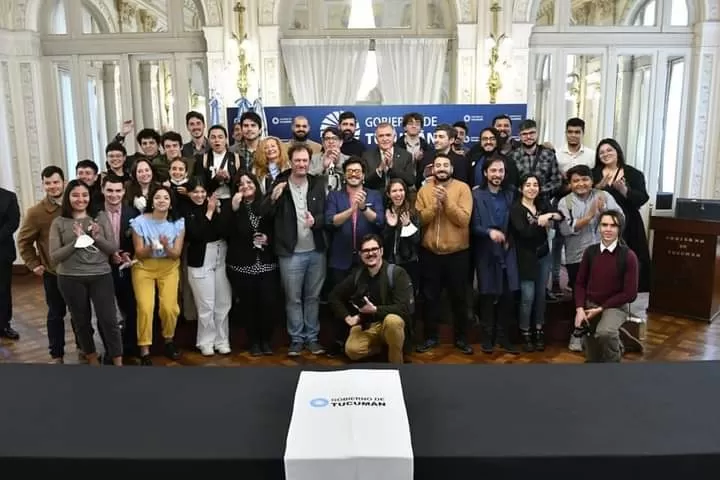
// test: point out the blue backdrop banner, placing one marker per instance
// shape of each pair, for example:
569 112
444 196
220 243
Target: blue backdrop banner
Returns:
477 117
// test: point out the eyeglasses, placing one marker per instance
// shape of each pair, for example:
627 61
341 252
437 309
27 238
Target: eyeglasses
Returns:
353 171
488 139
366 251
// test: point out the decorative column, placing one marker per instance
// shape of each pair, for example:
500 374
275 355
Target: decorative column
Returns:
516 75
26 124
147 99
111 108
704 173
269 41
468 42
221 79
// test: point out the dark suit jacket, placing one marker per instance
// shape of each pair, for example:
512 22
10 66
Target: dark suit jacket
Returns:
232 162
9 223
285 217
403 168
490 256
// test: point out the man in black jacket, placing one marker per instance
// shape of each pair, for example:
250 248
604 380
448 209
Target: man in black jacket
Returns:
9 223
297 205
374 301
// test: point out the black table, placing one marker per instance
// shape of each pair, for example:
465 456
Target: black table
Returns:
497 421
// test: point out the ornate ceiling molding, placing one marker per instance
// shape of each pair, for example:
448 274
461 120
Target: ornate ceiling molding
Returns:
525 11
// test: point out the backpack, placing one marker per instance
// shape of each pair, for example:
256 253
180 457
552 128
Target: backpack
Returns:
594 250
390 270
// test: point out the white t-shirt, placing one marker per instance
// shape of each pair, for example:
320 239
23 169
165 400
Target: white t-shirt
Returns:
567 160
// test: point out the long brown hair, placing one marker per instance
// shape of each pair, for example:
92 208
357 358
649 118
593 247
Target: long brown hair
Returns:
407 205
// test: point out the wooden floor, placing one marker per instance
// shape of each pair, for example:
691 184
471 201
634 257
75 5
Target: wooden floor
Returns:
668 339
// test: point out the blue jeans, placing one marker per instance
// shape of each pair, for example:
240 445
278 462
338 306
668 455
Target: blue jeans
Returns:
532 295
303 275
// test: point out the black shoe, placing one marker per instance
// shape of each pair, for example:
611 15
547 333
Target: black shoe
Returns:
464 347
9 333
487 346
171 351
106 359
336 349
145 361
255 350
428 345
508 347
539 340
527 341
266 349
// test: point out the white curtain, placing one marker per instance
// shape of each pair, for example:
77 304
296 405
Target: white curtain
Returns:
324 71
410 70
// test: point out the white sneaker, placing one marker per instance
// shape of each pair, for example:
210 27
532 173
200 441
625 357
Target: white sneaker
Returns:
576 344
207 351
223 350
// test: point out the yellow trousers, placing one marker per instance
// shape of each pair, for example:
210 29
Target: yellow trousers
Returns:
363 343
146 275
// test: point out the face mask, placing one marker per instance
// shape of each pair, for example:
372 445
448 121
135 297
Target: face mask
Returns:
86 242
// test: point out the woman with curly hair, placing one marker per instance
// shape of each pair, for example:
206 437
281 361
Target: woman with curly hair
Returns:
270 159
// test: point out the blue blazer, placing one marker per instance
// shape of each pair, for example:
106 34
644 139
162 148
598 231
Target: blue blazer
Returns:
489 256
342 255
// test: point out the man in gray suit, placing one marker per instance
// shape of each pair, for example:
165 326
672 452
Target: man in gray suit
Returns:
386 162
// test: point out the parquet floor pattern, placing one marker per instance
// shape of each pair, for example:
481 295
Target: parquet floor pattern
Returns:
668 339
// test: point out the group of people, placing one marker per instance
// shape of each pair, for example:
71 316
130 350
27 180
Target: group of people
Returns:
204 229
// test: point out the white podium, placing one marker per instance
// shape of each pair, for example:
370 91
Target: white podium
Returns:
349 425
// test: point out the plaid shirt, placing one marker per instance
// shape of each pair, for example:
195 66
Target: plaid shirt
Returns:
247 158
545 166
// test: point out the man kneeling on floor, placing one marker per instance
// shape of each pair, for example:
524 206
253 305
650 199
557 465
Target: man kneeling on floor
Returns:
607 282
375 300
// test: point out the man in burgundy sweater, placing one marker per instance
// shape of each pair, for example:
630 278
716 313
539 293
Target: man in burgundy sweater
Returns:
603 293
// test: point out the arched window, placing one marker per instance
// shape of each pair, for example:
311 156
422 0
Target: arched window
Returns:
377 23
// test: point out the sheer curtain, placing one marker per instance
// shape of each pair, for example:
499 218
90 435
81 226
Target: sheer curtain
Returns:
324 71
410 70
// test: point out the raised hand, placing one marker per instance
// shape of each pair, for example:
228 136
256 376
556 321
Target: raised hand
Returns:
94 229
278 190
78 229
391 218
212 203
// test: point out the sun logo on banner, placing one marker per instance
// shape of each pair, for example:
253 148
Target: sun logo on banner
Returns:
332 119
319 402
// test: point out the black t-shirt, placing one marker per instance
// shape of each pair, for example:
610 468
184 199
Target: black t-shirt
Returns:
374 295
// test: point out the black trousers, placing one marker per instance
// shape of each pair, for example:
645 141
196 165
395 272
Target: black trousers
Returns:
125 296
340 329
261 301
5 294
56 317
438 273
498 314
572 271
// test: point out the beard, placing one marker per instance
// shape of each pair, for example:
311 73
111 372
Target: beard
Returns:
300 136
